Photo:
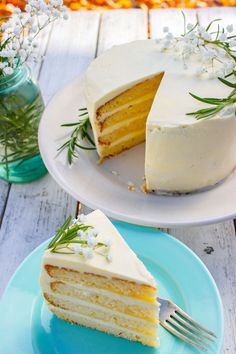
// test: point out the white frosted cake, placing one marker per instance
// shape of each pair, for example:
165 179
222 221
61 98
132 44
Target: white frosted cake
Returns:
139 92
97 281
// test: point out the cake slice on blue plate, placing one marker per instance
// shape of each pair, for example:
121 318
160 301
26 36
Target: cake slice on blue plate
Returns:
91 277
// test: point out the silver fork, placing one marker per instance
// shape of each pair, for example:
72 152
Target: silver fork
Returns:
180 324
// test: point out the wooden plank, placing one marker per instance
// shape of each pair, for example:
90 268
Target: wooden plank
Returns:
218 239
35 210
221 242
4 190
226 14
72 46
122 26
172 18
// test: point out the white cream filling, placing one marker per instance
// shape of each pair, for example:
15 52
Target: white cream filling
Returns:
46 280
118 125
99 322
127 137
124 106
75 301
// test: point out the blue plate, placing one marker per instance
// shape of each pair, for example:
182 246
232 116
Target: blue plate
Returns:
26 325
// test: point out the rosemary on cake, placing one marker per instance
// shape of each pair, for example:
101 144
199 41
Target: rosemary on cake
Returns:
81 132
217 59
76 237
225 105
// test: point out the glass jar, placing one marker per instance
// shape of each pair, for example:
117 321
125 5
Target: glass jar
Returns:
21 107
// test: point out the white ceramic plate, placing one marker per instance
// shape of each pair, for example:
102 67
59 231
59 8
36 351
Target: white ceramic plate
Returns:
97 187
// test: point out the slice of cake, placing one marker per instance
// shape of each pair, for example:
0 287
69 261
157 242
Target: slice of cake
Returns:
91 277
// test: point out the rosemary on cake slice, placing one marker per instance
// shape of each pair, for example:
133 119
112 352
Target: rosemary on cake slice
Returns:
80 132
76 237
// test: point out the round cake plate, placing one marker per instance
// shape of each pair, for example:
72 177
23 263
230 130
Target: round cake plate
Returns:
105 186
27 326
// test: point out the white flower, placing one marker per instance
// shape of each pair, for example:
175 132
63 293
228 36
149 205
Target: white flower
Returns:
77 249
17 30
223 37
17 10
2 65
83 234
92 241
94 231
221 52
88 253
205 35
8 70
28 8
232 43
34 29
65 16
22 54
190 26
169 36
165 29
220 73
5 25
230 28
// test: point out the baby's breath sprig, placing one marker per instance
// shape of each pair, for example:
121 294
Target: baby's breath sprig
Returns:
19 31
215 49
76 237
80 132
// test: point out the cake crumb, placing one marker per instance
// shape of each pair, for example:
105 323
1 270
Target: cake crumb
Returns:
144 186
100 161
131 187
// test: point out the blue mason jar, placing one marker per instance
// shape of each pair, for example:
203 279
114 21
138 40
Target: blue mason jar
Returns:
21 107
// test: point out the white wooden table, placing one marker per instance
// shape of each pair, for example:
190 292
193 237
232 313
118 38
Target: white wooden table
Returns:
30 213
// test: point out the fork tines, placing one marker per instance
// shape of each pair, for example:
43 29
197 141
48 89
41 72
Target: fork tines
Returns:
180 324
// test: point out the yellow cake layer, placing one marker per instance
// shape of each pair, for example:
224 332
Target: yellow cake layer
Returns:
139 90
142 107
119 286
103 326
148 313
129 126
124 144
101 313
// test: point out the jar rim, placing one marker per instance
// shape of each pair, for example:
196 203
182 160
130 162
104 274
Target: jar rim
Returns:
6 79
19 73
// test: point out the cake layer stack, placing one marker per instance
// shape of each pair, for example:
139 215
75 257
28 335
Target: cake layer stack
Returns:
116 296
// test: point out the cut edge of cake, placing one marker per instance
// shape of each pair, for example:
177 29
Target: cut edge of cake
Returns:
120 123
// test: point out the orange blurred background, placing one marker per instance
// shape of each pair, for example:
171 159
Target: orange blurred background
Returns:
6 6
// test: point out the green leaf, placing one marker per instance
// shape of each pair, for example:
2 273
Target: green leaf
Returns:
80 132
228 83
211 23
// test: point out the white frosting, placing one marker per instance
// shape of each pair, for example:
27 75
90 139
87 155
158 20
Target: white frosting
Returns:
124 265
182 153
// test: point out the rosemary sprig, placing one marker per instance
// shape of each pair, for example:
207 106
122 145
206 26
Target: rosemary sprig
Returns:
18 132
218 103
80 132
75 238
